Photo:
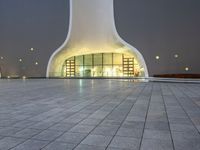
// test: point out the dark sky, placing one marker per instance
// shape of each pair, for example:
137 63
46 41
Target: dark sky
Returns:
154 27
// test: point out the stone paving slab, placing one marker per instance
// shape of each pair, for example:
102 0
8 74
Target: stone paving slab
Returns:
99 115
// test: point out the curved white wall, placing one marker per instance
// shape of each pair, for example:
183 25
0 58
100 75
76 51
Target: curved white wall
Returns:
92 30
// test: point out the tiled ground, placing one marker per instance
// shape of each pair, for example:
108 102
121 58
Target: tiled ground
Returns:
98 115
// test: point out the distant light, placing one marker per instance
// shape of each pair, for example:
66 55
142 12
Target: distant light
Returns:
176 56
8 77
20 60
157 57
24 77
2 58
36 63
32 49
186 69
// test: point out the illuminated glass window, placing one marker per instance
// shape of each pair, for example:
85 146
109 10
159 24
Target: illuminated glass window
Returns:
107 59
117 59
98 59
101 65
98 71
88 60
79 60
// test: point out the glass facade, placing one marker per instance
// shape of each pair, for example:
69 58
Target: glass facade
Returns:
101 65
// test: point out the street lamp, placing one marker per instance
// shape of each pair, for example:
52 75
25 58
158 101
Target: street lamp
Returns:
176 56
1 66
157 57
186 69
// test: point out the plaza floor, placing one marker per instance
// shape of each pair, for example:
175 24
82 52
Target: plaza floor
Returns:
99 115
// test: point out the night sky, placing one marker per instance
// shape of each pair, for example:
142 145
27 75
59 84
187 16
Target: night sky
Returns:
154 27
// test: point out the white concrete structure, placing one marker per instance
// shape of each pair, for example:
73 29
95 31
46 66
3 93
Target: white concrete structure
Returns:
92 31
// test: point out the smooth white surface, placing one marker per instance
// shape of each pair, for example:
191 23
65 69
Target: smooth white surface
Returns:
91 30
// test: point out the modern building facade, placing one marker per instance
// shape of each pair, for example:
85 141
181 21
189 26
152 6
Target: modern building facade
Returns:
93 47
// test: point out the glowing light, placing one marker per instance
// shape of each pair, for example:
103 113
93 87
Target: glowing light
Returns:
20 60
81 69
157 57
186 69
36 63
176 56
32 49
2 58
108 72
24 77
8 77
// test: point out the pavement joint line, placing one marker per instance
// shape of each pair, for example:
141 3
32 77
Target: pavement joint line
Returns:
184 110
101 121
172 140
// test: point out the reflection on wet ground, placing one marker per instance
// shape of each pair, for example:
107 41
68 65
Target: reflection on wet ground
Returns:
99 114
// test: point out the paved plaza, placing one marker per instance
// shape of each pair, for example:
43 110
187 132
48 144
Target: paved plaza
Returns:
98 114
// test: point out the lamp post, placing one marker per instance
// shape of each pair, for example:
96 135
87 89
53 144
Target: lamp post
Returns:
0 72
1 58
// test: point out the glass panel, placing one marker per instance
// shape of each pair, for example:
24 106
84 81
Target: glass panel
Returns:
88 60
79 71
117 59
97 59
87 71
117 71
97 71
107 70
107 59
120 67
79 60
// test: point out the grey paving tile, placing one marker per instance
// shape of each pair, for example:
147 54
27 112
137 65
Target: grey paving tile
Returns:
89 121
24 123
185 135
70 137
97 140
130 132
183 143
180 121
31 145
111 122
9 131
112 148
82 128
182 127
41 125
72 120
26 133
157 125
7 122
133 124
155 144
59 146
1 137
157 134
89 147
108 130
136 118
62 126
48 135
125 143
9 142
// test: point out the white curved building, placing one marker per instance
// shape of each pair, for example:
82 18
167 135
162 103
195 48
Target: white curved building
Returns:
93 47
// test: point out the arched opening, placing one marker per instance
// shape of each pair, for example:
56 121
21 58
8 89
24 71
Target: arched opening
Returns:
102 65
